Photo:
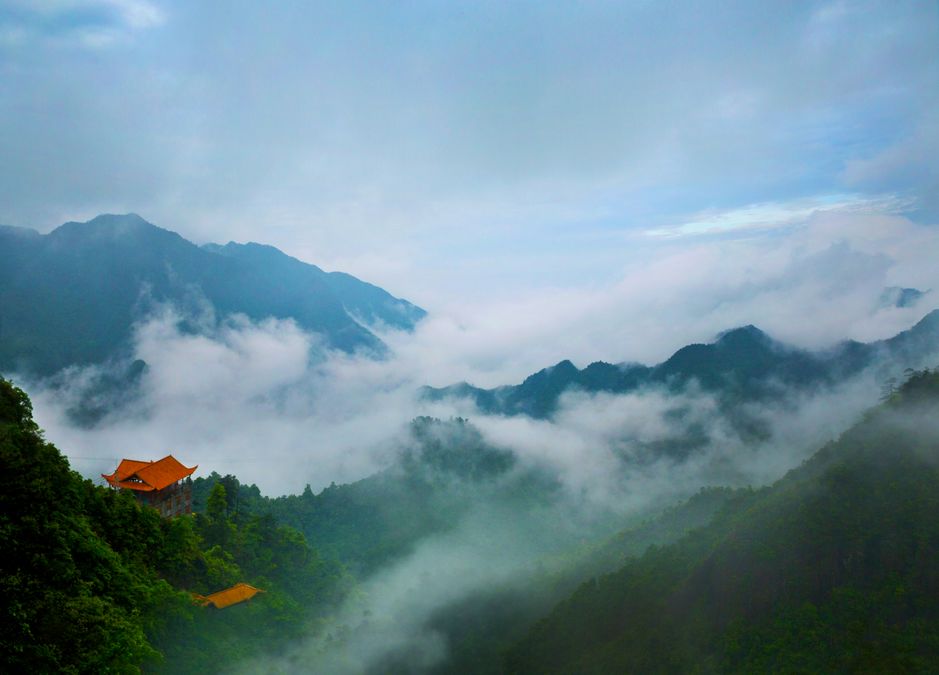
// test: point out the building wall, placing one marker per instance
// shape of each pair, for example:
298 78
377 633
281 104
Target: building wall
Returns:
171 501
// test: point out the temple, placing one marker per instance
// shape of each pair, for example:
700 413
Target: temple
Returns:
165 484
230 596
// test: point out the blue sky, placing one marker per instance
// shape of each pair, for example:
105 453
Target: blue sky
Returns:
468 149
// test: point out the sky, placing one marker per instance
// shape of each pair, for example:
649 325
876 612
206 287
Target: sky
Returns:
465 153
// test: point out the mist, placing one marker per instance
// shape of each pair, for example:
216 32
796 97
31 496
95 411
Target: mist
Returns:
266 402
605 481
269 403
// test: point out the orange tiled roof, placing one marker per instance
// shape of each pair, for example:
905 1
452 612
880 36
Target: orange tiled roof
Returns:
230 596
148 476
126 468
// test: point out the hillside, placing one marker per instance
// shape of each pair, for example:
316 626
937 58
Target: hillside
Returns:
832 569
72 296
835 568
741 364
444 471
92 582
449 489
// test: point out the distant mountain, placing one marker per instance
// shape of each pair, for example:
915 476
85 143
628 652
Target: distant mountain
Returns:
834 569
743 363
73 295
367 304
895 296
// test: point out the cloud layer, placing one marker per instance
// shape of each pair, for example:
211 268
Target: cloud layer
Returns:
265 400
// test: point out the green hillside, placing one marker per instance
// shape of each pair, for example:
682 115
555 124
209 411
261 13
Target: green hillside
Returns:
835 568
90 582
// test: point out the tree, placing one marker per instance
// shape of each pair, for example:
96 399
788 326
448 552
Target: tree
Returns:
217 505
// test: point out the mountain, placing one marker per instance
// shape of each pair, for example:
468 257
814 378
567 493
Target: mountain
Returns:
91 581
895 296
834 568
367 304
72 296
445 470
741 364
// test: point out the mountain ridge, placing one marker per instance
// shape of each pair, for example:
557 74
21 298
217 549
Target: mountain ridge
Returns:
830 569
71 297
743 362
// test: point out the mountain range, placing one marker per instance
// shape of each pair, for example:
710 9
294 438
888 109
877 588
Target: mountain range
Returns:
742 363
73 296
832 569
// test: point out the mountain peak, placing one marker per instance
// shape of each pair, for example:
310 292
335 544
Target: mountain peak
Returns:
110 225
561 369
743 335
560 372
897 296
927 325
84 281
129 217
118 221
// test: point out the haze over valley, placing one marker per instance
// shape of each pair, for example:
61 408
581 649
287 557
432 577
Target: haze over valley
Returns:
500 339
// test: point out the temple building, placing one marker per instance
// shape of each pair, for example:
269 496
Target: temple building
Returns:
164 484
228 597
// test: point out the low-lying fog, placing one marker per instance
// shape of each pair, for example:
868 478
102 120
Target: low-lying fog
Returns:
264 401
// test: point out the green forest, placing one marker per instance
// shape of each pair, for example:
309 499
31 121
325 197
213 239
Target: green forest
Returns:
92 582
834 568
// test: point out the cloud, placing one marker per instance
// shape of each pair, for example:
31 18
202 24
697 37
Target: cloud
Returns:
442 136
771 215
907 165
260 400
88 24
256 398
810 283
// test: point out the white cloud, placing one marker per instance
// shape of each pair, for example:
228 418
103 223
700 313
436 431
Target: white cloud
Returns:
89 24
251 396
811 284
773 215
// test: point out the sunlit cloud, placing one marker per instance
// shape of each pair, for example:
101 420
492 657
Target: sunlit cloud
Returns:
771 215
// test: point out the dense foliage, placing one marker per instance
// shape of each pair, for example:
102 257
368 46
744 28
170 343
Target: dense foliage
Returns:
445 476
92 582
444 469
833 569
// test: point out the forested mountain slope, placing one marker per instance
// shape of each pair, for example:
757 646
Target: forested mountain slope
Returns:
92 582
835 568
444 470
